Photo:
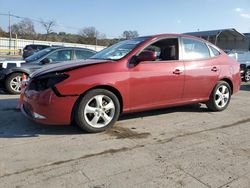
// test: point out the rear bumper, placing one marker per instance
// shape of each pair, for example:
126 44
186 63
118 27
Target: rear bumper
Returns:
47 108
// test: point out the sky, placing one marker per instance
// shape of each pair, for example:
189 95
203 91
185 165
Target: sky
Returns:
112 17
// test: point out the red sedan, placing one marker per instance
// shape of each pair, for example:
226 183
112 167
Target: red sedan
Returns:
133 75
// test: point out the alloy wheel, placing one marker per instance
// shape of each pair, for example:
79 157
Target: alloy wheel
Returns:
15 83
247 76
222 96
99 111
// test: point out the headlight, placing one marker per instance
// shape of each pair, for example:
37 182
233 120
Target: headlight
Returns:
47 81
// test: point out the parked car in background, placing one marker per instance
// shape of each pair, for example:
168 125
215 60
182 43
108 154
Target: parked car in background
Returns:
11 71
133 75
243 57
30 49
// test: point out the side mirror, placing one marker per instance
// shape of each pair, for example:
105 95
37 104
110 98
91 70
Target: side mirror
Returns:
46 61
146 55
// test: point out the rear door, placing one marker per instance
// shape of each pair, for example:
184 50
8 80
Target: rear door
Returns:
201 69
83 54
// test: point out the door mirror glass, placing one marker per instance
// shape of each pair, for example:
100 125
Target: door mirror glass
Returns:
146 55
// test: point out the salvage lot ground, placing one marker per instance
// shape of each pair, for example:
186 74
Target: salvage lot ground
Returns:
175 147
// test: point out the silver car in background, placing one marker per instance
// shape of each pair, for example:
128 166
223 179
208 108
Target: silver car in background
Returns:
243 57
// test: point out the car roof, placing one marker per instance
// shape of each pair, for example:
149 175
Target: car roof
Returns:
173 35
37 45
74 48
177 35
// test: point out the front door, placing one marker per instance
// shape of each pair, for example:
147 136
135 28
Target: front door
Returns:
160 82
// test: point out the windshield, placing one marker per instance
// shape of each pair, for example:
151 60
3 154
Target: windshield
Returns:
119 50
38 54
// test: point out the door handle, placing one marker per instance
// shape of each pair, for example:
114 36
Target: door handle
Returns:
177 71
214 69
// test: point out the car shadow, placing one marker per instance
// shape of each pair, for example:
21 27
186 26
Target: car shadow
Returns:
14 125
198 108
2 92
245 87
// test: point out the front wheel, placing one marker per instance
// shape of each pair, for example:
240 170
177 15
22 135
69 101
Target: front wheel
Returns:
220 97
97 111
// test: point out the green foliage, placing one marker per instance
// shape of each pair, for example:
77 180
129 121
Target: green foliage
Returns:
3 33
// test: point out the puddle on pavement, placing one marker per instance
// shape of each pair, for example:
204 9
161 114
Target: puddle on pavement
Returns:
122 132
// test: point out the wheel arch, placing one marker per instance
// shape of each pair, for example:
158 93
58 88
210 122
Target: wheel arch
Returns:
229 82
15 71
107 87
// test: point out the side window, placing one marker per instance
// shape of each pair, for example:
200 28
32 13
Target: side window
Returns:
61 55
194 49
83 54
165 49
214 51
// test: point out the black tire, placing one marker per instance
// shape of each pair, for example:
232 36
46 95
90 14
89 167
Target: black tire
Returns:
84 119
9 87
246 77
211 103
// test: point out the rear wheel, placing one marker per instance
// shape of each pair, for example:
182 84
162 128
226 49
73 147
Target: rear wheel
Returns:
13 83
97 111
246 77
220 97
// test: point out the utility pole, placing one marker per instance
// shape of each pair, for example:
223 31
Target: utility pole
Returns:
10 31
95 39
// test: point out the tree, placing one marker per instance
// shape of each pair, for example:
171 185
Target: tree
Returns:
3 33
25 28
89 32
48 27
90 35
130 34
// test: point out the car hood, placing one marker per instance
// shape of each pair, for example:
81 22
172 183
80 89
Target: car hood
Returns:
5 63
66 66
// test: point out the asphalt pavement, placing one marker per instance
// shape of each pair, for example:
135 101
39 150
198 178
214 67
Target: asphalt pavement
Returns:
186 146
